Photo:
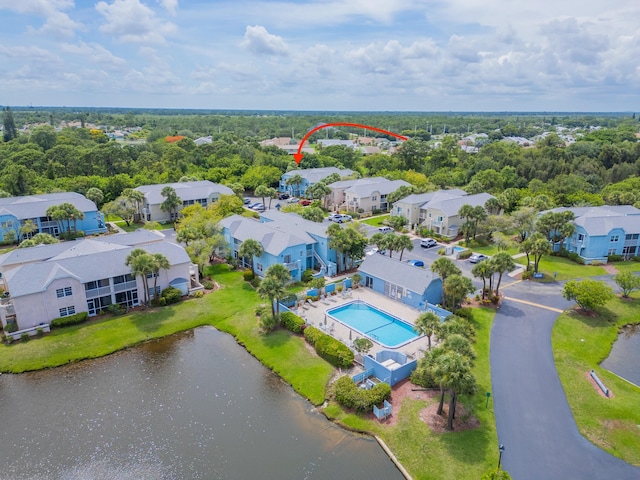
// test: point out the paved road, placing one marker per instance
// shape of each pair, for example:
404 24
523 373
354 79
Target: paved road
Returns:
533 418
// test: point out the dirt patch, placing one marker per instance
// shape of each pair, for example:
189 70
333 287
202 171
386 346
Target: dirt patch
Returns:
610 268
597 387
437 423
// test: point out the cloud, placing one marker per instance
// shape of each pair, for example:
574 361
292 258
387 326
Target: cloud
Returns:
95 53
170 5
57 24
260 42
133 22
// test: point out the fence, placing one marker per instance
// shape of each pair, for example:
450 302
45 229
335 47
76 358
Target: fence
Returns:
384 412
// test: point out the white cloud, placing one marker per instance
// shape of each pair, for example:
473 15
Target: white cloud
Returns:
170 5
260 42
57 23
131 21
95 53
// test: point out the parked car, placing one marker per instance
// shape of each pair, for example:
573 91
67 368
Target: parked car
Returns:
346 218
371 251
254 205
283 196
416 263
385 229
305 202
293 200
477 257
428 243
340 218
259 207
246 201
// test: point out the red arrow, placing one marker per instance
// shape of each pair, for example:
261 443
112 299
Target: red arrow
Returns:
298 156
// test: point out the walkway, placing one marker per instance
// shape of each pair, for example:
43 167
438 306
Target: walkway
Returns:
533 418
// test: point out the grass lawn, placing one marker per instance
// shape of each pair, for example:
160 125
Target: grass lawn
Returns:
427 455
567 270
629 266
492 250
375 221
230 309
610 423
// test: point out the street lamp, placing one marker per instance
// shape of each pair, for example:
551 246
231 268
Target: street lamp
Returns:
501 449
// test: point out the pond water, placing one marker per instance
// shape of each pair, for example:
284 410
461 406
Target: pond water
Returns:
195 405
624 359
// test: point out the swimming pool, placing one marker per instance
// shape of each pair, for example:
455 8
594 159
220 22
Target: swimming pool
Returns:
384 328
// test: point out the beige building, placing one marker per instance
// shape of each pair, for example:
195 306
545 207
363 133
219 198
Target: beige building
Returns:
49 281
366 194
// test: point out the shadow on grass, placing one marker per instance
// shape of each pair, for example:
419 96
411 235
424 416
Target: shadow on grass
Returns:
468 446
151 320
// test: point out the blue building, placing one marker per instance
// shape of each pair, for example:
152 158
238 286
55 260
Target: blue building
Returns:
310 176
413 286
604 231
15 211
286 238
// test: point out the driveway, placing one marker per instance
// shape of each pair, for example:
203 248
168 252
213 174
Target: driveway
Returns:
533 418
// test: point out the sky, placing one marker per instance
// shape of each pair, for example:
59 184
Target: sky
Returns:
345 55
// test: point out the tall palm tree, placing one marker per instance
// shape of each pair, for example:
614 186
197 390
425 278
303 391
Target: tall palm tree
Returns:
271 289
402 243
428 324
160 262
501 262
141 264
455 288
294 183
444 268
250 248
172 201
453 372
262 191
484 270
279 272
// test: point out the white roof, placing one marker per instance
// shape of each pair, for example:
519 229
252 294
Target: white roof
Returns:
314 175
33 206
392 270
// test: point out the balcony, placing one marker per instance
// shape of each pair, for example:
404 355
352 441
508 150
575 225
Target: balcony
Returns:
121 287
292 265
97 292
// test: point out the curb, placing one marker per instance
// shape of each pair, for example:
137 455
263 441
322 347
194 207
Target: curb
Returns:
393 458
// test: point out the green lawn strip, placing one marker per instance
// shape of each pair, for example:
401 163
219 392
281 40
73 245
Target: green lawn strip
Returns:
580 343
629 266
230 309
567 270
492 250
427 455
375 221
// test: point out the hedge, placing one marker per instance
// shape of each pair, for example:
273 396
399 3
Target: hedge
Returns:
70 320
292 322
333 351
350 395
171 295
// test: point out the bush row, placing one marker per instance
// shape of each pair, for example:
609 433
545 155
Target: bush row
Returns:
70 320
292 322
333 351
349 395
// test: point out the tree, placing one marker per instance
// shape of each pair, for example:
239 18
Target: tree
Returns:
38 239
95 195
428 324
444 268
10 131
226 205
484 271
160 262
44 136
18 179
171 201
294 183
315 214
362 345
318 191
556 226
396 222
466 213
628 282
271 289
262 191
453 373
588 293
456 288
250 248
141 264
501 262
402 243
137 197
539 247
349 242
122 207
280 273
27 229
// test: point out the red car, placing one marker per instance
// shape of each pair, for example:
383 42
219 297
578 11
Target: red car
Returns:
305 203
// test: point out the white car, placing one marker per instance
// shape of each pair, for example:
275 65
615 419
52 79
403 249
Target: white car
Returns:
428 243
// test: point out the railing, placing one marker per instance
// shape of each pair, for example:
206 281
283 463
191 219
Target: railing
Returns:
292 265
97 292
119 287
362 376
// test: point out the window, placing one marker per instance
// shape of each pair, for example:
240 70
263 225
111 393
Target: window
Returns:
287 259
612 251
96 305
439 219
64 292
153 274
123 278
374 199
614 238
259 267
66 311
151 292
580 237
632 236
104 282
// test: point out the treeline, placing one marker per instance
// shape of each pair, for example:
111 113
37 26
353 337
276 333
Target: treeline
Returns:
601 166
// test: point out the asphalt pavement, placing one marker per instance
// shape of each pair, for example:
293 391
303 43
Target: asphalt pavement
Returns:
533 417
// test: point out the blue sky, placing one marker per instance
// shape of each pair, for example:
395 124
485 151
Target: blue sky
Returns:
395 55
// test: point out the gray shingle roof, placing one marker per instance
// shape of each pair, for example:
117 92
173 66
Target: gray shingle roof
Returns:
185 190
293 223
451 206
391 270
86 260
599 226
33 206
421 198
365 189
314 175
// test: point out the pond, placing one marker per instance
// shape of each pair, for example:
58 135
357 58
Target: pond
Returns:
624 359
195 405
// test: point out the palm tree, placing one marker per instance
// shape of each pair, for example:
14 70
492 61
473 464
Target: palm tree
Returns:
294 181
456 287
428 324
279 272
142 264
483 270
137 197
261 191
172 201
452 371
271 289
56 213
160 263
27 229
402 243
444 267
501 263
250 248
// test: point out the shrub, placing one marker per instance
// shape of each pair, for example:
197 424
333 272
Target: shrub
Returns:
348 394
528 275
307 275
40 331
207 284
255 283
465 254
334 352
615 258
292 322
261 309
636 258
70 320
9 339
311 334
198 294
116 309
268 322
171 295
248 275
158 302
423 377
572 256
25 337
596 263
465 312
441 251
11 327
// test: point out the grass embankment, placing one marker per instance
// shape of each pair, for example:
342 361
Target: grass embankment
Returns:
428 455
375 221
628 266
567 269
610 423
230 309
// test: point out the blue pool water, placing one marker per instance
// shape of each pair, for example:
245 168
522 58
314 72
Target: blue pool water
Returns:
371 322
458 249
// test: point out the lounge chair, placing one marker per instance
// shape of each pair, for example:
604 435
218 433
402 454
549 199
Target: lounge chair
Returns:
304 306
323 299
309 302
331 299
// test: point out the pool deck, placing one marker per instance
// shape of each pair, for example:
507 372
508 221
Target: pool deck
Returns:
316 316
